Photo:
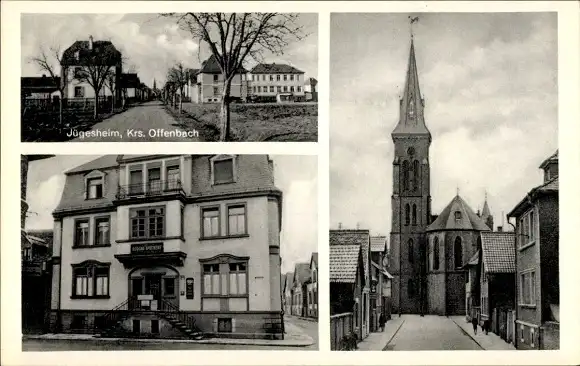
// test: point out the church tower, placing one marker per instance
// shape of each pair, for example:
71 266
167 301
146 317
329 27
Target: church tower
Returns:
411 198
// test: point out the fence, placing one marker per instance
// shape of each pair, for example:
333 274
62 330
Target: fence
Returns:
52 105
340 325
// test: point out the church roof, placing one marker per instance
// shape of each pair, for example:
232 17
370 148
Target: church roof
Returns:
411 119
499 255
466 220
486 212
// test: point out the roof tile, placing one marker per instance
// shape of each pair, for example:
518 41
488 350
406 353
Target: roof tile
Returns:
344 262
499 255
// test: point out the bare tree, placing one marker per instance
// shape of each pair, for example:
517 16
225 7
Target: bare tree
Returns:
178 75
51 62
111 84
233 37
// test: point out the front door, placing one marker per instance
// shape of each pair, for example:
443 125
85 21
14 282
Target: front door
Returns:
153 286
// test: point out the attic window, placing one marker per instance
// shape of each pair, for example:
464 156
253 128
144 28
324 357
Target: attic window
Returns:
223 170
77 54
457 217
95 188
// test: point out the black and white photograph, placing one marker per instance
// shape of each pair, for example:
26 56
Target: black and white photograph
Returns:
178 77
169 252
444 208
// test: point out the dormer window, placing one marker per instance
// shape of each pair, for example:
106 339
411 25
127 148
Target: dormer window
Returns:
457 217
223 169
77 55
95 188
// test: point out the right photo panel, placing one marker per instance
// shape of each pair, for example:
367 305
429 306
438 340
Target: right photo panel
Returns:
444 223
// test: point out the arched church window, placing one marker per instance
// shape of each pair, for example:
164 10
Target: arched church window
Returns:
416 172
414 214
405 175
458 252
410 249
407 215
436 253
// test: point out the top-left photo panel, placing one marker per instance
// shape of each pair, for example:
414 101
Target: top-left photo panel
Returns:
171 77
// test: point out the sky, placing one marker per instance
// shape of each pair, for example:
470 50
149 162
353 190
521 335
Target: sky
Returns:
489 81
295 175
151 43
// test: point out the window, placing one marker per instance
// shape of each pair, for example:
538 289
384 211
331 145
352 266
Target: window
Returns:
410 289
155 326
82 233
278 77
169 286
148 222
299 89
271 89
291 89
102 232
457 215
173 177
416 172
27 254
410 250
254 89
407 214
458 253
215 78
211 279
79 91
414 214
216 90
291 77
237 279
94 188
271 77
263 77
285 89
285 77
211 222
225 325
223 171
260 89
405 175
91 280
136 182
527 229
182 218
279 89
436 253
528 288
154 180
237 220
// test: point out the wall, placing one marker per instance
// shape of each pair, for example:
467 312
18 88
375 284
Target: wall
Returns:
257 80
528 258
549 254
436 293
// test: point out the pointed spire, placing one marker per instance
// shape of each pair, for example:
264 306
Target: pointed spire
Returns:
411 119
486 211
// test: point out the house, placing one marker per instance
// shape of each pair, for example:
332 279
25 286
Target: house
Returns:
287 291
349 277
206 84
102 56
131 87
276 83
497 280
299 289
39 90
537 263
311 90
169 246
380 287
312 288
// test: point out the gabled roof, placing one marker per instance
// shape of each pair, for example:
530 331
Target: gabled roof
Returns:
498 249
105 161
344 261
552 159
275 68
103 53
378 243
46 236
192 73
301 272
338 237
212 66
469 220
288 280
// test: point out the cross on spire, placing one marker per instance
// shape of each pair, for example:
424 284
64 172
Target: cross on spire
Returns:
412 20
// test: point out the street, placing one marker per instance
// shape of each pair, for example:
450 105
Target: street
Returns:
145 122
38 345
429 333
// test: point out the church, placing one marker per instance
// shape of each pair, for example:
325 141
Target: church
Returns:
428 252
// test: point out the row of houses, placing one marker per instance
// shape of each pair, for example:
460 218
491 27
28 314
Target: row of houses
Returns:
83 65
263 83
125 261
300 289
513 278
360 285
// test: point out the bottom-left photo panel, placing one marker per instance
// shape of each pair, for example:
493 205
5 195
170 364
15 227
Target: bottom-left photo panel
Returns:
188 252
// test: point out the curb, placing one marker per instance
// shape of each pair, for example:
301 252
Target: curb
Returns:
394 334
469 335
313 320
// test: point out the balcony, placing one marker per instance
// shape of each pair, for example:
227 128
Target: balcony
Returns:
154 191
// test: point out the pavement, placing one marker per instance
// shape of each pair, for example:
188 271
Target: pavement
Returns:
377 341
295 336
489 341
147 122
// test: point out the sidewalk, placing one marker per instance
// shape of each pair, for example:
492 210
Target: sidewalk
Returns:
293 337
314 320
489 341
378 341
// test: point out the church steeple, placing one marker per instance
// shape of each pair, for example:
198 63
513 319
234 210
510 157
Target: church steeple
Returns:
486 214
411 117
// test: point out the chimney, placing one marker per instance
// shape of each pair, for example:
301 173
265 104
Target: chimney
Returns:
90 42
500 229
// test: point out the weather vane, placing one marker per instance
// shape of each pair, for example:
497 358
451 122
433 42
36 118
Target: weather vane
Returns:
411 21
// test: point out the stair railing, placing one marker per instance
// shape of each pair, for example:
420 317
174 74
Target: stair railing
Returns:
169 308
115 314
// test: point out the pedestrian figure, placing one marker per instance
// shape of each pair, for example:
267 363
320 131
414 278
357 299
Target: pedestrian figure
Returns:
474 323
382 322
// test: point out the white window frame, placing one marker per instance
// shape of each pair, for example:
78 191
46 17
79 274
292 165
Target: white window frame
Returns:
527 223
530 274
